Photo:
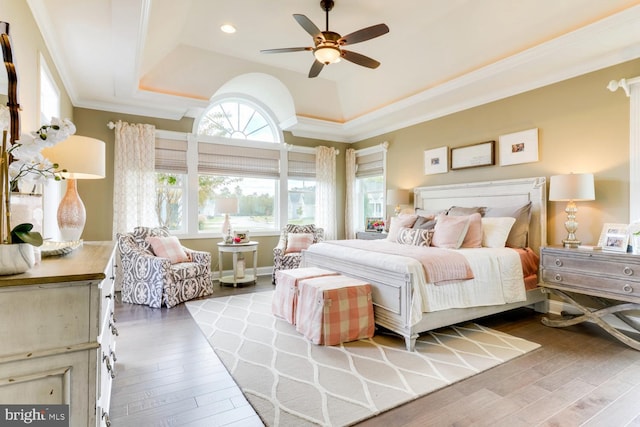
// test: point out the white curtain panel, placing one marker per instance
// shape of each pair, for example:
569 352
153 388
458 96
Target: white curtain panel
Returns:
134 186
349 211
326 191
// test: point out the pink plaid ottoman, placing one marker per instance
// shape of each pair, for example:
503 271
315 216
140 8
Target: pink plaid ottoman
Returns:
285 296
334 309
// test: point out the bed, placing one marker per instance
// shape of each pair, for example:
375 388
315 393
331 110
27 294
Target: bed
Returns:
393 290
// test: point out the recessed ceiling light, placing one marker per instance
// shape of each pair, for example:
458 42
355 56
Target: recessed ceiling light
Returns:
228 28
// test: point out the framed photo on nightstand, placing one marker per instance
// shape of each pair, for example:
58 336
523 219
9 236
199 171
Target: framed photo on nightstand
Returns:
614 237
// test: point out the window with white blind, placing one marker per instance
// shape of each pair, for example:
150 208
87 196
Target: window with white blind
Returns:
301 188
248 173
171 184
370 185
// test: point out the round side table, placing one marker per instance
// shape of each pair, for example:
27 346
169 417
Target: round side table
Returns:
235 249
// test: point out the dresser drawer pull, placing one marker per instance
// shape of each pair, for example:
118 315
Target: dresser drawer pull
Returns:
107 363
628 271
113 328
627 288
558 262
558 278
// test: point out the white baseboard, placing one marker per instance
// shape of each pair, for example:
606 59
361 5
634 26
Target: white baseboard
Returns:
557 307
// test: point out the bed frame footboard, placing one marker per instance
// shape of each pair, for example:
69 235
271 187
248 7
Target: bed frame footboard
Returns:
392 299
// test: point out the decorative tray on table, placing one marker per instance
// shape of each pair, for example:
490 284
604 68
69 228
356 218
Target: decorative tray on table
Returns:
50 248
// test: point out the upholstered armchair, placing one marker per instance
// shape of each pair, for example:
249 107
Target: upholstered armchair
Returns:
158 271
288 253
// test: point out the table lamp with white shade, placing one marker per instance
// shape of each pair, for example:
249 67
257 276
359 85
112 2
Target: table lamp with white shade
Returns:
82 158
397 198
571 188
226 206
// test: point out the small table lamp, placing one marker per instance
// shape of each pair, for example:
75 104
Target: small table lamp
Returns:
571 188
83 158
397 198
226 207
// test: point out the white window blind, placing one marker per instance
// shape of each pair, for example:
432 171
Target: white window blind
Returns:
171 155
232 160
370 164
301 165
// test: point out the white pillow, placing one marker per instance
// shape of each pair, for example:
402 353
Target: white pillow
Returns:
495 231
398 222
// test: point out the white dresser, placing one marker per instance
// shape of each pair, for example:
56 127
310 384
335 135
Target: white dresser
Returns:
57 334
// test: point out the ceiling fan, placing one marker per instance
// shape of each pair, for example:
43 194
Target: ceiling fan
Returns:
328 44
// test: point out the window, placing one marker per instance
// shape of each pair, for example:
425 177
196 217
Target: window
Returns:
49 95
237 120
171 183
301 187
370 185
235 154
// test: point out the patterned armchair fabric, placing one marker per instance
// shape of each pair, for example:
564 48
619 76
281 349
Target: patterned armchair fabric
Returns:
282 261
154 281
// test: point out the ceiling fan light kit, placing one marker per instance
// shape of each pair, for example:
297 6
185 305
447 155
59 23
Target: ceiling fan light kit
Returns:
328 44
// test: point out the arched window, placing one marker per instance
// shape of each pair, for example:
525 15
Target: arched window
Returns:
238 119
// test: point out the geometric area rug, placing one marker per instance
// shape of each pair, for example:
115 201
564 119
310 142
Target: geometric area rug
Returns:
291 382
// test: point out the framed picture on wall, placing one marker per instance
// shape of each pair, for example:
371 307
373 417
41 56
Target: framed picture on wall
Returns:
436 161
473 156
519 147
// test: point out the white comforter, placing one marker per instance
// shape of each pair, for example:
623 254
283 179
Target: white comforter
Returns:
497 277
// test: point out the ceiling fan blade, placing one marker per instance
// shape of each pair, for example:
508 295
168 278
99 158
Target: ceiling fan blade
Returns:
360 59
286 49
316 67
364 34
309 26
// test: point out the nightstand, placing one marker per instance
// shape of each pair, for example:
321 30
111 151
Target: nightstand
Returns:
370 235
610 280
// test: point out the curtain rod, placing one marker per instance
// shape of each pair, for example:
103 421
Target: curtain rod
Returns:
111 125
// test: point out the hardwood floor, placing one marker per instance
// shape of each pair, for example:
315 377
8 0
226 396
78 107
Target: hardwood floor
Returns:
167 375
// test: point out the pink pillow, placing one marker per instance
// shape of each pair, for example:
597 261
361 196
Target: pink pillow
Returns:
297 242
398 222
473 239
168 247
449 231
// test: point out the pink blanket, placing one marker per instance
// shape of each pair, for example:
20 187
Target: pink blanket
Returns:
440 265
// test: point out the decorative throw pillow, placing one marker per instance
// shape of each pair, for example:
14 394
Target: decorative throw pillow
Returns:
473 238
519 234
460 211
414 236
449 231
495 231
425 222
168 247
297 242
397 222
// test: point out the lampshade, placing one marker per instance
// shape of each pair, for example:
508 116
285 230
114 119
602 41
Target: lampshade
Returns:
81 156
327 54
397 197
227 206
576 187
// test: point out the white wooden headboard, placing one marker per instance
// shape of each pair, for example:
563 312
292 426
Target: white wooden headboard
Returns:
493 193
